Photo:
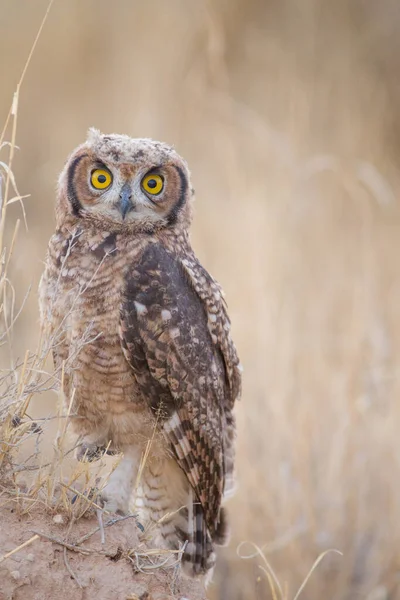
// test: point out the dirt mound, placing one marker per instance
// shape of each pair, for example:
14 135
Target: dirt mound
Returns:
82 568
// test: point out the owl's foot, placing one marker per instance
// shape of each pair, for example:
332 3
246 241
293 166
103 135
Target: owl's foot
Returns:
88 452
114 498
116 495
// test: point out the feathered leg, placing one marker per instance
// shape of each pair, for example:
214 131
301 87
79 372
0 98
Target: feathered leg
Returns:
116 495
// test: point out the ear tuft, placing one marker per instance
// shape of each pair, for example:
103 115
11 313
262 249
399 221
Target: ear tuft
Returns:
93 136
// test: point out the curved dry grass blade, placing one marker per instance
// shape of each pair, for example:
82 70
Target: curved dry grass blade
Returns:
10 174
4 144
270 581
18 197
260 553
311 571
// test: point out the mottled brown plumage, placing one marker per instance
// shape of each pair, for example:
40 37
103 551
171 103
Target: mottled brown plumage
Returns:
145 336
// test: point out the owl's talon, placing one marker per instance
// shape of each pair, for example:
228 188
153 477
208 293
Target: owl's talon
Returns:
140 526
112 501
111 451
89 452
92 452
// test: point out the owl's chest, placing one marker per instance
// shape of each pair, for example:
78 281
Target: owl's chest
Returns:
87 289
87 309
91 286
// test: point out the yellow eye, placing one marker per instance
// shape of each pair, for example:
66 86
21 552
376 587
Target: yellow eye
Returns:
152 184
100 179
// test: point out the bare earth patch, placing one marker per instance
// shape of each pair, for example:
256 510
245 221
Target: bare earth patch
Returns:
115 570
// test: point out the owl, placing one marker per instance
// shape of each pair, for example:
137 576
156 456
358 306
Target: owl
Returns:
141 333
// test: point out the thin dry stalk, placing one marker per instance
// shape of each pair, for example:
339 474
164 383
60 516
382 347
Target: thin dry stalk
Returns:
69 569
27 543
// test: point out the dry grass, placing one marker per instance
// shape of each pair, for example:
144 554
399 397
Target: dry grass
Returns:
288 115
30 483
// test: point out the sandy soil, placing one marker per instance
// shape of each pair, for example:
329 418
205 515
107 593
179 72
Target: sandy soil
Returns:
39 572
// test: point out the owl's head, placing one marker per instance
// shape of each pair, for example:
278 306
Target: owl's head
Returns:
120 183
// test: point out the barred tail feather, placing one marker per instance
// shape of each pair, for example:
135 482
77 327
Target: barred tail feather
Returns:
222 533
172 506
199 556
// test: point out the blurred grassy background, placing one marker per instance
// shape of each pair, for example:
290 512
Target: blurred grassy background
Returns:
288 114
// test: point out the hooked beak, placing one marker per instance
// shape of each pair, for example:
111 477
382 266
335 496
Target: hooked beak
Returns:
125 204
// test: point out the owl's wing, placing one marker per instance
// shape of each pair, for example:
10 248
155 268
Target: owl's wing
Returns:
219 325
180 367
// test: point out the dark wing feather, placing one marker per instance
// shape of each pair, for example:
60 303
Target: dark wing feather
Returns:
219 325
180 367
